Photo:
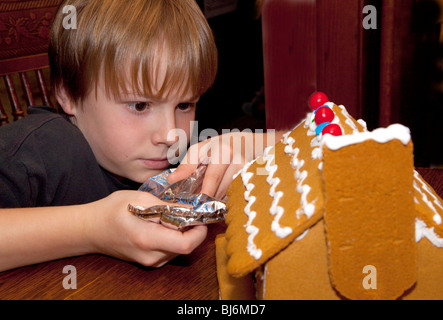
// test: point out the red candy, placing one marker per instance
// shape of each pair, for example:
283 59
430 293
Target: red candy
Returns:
317 100
333 129
324 114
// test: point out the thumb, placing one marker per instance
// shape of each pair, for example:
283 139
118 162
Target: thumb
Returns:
183 171
196 154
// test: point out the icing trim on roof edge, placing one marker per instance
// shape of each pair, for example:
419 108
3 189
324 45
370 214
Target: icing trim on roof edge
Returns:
381 135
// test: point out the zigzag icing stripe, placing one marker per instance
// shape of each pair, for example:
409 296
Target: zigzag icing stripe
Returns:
275 209
307 208
250 228
424 190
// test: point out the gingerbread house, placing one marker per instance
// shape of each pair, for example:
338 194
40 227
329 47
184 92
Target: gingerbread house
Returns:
333 211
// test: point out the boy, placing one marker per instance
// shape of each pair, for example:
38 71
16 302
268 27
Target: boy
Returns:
126 79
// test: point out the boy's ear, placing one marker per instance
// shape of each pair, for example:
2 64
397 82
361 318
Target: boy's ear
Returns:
65 101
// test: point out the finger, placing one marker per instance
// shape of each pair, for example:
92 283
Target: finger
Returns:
177 242
188 241
226 181
157 259
144 199
189 163
213 176
182 172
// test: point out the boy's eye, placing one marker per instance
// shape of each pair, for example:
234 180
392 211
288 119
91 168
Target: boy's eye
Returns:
139 106
185 106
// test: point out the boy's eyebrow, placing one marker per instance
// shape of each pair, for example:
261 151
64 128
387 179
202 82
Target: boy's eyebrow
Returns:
193 100
137 97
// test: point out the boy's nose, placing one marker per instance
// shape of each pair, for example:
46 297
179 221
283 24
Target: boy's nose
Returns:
165 130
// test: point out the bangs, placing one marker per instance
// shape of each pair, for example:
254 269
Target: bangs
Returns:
176 56
126 42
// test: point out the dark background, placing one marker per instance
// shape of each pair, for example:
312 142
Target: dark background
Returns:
236 99
238 36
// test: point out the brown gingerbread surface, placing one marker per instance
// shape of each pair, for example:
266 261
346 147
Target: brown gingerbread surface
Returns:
276 212
370 218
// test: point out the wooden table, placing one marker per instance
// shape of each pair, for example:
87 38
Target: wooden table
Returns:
190 277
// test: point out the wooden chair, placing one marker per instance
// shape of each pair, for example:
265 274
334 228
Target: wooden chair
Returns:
24 38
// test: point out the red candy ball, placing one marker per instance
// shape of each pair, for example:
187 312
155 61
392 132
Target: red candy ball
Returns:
333 129
324 114
317 100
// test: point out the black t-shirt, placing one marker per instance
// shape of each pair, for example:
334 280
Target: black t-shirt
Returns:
46 161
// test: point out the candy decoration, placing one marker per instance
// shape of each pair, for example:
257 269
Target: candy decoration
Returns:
317 100
320 127
324 114
325 105
333 129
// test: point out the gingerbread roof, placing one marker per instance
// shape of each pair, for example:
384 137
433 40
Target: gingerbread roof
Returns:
278 197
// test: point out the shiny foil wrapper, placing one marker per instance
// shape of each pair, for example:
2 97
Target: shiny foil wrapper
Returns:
188 206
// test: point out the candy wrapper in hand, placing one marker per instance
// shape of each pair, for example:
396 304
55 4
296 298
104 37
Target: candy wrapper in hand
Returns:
188 206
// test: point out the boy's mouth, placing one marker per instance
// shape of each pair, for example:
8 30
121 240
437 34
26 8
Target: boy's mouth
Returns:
157 164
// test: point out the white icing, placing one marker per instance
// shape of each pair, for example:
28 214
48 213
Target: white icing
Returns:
316 151
363 124
264 274
316 142
306 208
250 228
428 192
381 135
349 120
286 136
275 209
351 124
422 231
300 237
237 174
310 124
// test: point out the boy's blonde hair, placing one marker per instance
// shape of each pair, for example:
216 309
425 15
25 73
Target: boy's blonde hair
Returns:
114 35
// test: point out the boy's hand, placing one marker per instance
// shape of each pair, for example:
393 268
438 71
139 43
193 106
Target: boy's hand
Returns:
225 155
115 231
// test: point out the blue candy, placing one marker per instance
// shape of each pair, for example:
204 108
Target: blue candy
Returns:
320 127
